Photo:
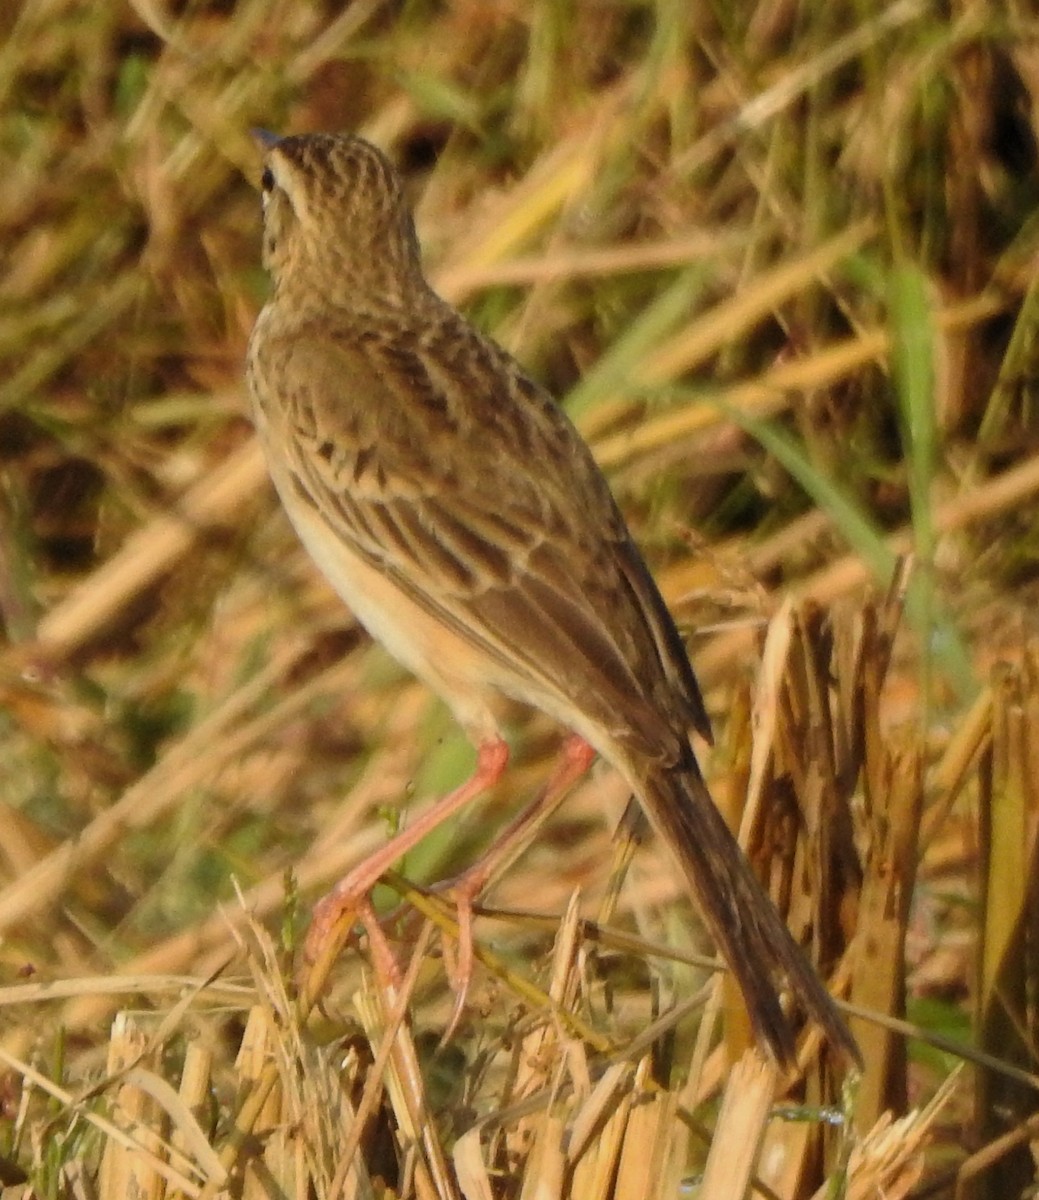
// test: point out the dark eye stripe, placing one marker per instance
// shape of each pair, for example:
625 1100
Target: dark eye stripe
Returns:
267 179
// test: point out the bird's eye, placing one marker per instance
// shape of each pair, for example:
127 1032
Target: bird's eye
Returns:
267 180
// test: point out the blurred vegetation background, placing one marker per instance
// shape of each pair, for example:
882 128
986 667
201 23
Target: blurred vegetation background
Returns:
777 259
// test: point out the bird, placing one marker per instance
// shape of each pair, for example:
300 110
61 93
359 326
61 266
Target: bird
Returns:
457 511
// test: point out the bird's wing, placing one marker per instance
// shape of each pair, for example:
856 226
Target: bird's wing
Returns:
463 483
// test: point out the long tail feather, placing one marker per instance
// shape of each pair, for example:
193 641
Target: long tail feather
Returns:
744 922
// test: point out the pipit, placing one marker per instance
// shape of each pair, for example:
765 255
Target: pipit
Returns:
457 511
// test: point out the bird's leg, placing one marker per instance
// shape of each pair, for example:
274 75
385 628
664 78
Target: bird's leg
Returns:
334 914
574 760
577 756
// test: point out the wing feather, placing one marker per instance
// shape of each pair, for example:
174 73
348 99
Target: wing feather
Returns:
494 519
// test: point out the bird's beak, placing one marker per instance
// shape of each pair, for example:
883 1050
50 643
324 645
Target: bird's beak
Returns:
266 141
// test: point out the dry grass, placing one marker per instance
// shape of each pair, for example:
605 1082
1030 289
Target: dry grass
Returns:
779 261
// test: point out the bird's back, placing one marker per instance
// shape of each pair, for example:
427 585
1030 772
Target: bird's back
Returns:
454 473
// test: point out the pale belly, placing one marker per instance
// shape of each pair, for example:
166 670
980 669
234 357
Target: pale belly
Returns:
438 656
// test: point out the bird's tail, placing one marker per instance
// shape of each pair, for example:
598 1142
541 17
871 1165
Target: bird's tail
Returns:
753 938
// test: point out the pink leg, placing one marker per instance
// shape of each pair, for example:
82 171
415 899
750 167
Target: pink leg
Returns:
575 760
576 757
383 961
350 894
